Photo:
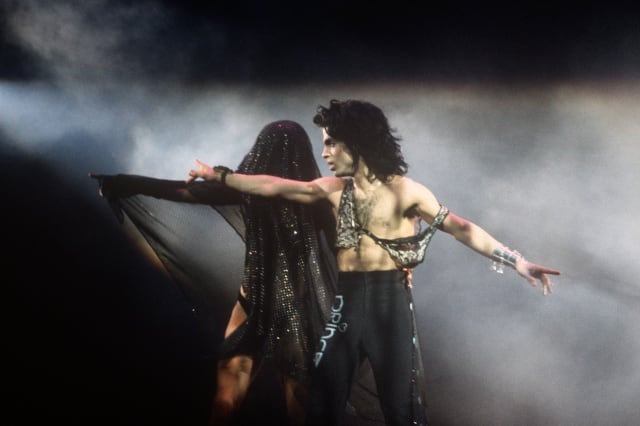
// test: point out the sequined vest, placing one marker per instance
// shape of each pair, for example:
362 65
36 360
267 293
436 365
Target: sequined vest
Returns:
406 252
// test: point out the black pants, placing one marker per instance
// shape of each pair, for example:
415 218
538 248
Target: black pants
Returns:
372 318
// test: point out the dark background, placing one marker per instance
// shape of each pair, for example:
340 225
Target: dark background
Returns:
207 42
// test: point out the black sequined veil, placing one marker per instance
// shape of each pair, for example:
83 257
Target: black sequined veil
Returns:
287 262
289 274
289 268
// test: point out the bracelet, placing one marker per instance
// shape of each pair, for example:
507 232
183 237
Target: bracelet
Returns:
504 256
224 171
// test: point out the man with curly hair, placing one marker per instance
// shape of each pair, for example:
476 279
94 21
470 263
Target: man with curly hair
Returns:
379 241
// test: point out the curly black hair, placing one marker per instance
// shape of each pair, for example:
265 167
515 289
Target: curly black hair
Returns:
365 130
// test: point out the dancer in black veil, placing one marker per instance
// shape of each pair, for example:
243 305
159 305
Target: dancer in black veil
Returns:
289 266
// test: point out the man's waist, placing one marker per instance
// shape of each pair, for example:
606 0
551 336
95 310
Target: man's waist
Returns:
378 279
365 260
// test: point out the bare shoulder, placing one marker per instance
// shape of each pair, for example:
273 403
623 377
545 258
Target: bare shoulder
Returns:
330 184
416 197
409 188
330 188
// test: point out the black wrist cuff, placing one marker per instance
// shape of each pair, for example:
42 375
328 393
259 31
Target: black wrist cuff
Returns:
224 171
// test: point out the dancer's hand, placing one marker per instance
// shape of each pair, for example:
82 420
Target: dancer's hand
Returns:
203 171
534 273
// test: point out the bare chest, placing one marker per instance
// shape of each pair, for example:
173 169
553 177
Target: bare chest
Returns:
380 212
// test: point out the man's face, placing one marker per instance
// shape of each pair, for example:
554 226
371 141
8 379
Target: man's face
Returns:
337 155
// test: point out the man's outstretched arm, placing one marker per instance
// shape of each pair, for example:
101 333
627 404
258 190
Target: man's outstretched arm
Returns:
263 185
479 240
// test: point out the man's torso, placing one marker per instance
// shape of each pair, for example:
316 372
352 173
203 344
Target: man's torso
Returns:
379 209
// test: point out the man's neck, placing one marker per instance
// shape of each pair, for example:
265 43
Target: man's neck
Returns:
364 179
366 183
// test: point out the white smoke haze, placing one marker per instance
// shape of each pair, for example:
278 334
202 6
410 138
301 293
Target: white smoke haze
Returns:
551 170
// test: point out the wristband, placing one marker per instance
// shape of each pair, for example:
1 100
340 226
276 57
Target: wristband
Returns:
224 171
504 256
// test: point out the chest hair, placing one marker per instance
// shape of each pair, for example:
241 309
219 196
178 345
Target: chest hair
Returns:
364 207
